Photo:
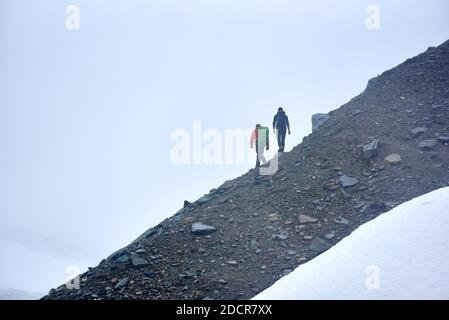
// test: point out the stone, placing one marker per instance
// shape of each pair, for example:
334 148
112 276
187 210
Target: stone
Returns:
319 245
119 253
342 221
123 282
318 119
138 261
375 207
122 259
329 235
348 181
280 237
149 274
393 159
330 186
417 131
204 199
232 262
371 149
443 139
306 219
428 144
253 244
199 228
286 272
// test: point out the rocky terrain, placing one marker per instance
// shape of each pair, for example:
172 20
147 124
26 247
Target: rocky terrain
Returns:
385 146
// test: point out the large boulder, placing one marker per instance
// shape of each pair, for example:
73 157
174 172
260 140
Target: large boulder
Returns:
370 150
319 245
417 131
138 261
393 159
348 181
199 228
428 144
318 119
306 219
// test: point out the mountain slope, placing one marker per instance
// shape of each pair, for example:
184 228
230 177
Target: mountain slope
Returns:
260 235
399 255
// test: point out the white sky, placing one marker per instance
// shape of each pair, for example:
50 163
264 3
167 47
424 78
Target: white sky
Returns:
86 115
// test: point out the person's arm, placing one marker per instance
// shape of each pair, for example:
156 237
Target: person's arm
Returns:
274 122
288 124
268 139
253 137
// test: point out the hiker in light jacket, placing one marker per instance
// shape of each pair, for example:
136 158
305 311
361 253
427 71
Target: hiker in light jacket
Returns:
260 137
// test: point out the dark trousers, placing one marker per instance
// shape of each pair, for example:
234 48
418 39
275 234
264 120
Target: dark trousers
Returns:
281 139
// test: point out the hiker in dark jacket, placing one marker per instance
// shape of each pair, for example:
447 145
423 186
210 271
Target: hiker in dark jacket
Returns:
260 137
280 126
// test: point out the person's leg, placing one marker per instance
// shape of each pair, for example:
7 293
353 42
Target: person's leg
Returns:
281 140
261 156
257 156
278 138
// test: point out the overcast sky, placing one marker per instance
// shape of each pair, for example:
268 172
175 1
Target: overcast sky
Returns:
86 114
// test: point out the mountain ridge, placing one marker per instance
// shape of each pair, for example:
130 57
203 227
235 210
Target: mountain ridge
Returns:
385 146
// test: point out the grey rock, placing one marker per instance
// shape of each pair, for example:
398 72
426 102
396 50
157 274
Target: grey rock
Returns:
306 219
371 149
253 244
393 159
138 261
122 259
204 199
232 262
149 274
121 283
417 131
319 245
119 253
286 272
428 144
199 228
443 139
318 119
342 221
281 236
329 235
375 207
348 181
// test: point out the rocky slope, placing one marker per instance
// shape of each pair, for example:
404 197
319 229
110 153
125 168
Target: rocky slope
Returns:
384 147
